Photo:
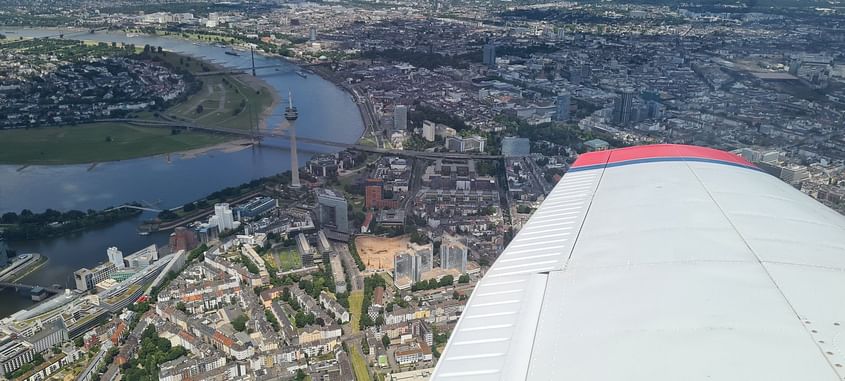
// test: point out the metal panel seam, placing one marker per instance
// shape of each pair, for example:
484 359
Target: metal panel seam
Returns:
536 328
765 269
568 258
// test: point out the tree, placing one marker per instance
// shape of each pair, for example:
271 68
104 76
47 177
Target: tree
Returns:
239 324
385 340
419 238
366 321
300 375
200 109
365 347
9 218
79 342
447 280
464 278
167 215
189 207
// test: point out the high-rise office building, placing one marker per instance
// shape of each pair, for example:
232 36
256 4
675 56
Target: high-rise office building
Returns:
489 54
116 257
225 219
331 210
429 130
453 254
655 110
424 253
562 107
404 266
623 106
410 264
400 118
183 239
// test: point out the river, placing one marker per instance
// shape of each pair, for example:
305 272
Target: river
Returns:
325 112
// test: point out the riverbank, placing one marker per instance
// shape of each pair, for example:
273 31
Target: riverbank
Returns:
29 269
97 143
227 101
51 223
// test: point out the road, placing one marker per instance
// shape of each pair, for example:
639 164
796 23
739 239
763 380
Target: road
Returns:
92 366
346 372
356 280
417 170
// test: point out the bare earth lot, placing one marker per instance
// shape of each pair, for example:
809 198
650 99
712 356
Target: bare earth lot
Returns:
377 252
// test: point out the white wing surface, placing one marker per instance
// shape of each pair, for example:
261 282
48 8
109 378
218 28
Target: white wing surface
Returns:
661 262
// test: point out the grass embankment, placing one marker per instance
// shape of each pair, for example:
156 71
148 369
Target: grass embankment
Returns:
359 365
226 100
356 301
88 143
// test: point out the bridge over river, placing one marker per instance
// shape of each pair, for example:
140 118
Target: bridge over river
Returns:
29 287
258 134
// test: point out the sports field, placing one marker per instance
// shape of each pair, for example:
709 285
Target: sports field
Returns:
287 259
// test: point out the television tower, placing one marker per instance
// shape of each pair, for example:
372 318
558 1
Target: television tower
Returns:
291 114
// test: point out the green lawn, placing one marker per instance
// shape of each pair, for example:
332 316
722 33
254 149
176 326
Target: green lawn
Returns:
356 301
226 100
270 262
88 143
359 364
388 280
288 259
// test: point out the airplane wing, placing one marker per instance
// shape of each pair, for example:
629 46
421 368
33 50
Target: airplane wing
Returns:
661 262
